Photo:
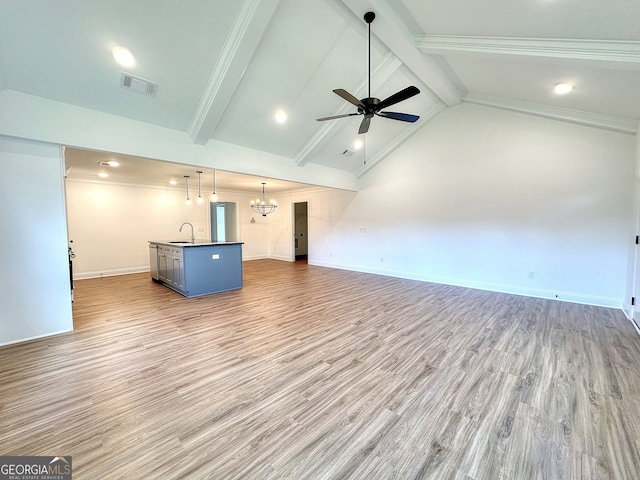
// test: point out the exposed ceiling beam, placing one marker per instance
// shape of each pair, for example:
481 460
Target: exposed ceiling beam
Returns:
328 129
599 50
243 39
608 122
394 34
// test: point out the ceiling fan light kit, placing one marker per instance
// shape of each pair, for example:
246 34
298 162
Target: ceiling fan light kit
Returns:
371 106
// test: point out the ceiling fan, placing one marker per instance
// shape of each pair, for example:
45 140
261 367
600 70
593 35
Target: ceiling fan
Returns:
371 106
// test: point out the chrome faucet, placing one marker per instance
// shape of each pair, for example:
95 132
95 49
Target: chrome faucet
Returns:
193 238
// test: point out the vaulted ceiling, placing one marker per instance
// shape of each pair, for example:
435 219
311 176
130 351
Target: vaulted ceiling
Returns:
223 68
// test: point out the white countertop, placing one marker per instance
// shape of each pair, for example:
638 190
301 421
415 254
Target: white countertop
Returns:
187 243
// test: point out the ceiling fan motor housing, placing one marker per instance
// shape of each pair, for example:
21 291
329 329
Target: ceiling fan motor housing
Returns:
369 105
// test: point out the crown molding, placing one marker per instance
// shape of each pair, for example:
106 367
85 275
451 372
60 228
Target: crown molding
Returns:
600 50
607 122
400 139
392 31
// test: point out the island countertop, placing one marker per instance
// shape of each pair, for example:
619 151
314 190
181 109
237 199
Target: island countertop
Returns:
187 243
198 268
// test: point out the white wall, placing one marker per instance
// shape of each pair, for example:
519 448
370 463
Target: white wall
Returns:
30 117
478 197
35 294
481 197
111 224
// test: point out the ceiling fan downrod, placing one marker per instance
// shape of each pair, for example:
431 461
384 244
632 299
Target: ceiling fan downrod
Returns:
371 106
369 17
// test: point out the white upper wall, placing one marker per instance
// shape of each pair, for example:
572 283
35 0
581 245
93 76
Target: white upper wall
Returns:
480 197
29 117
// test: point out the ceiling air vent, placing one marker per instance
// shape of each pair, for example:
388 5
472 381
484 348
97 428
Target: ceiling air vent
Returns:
139 85
348 153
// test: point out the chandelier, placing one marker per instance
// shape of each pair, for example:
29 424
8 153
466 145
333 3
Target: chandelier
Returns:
261 206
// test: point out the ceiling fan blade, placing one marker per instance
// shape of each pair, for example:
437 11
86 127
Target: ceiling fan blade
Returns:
398 97
333 117
364 126
405 117
348 97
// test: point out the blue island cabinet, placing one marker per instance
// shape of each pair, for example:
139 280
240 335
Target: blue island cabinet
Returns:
199 268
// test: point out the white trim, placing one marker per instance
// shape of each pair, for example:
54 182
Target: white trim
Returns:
493 287
393 32
607 122
237 52
255 257
282 258
635 325
110 273
600 50
37 337
266 257
628 312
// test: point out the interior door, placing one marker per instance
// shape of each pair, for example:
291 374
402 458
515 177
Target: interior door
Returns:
300 230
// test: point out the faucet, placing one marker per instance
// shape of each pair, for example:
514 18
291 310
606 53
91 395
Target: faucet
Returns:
193 238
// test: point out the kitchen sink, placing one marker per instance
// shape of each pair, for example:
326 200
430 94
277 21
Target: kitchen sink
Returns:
180 241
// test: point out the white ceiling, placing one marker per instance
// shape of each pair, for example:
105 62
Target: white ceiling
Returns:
223 68
85 165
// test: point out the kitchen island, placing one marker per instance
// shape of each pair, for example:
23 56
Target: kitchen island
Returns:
198 268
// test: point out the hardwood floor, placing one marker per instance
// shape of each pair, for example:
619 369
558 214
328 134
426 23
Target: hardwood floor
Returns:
310 373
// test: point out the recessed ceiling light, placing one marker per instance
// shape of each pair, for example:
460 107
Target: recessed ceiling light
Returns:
562 88
357 144
110 163
280 116
173 182
103 175
123 56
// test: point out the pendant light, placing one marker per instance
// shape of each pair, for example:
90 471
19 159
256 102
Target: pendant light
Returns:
214 196
261 206
186 181
200 199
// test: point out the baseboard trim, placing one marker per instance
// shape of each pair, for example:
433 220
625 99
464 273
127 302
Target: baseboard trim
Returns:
493 287
131 270
110 273
37 337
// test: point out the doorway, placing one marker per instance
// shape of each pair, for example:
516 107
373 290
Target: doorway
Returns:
223 221
300 231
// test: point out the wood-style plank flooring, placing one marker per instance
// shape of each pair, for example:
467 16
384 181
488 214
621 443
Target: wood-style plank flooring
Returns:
317 373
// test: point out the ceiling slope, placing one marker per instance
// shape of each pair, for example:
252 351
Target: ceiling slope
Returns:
223 68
